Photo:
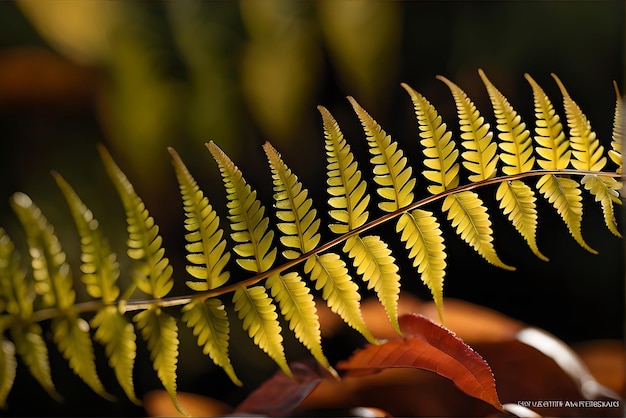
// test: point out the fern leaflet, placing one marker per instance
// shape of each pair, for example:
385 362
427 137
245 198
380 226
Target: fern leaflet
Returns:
553 148
71 335
258 314
618 131
209 323
206 246
8 366
517 200
480 156
152 272
160 332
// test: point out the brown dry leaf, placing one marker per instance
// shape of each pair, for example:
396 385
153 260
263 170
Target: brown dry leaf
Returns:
158 403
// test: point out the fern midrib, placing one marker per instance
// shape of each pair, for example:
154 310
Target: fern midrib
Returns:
136 305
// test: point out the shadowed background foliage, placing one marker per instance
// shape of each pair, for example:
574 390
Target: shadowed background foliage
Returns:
141 76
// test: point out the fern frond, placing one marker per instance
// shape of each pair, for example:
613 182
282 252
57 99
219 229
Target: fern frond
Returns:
16 294
71 335
391 172
468 215
32 349
338 290
517 201
480 156
618 130
606 191
258 314
119 341
298 307
250 227
152 272
8 367
552 145
423 238
160 332
553 148
210 325
439 149
516 142
299 222
100 267
349 198
206 246
53 279
565 196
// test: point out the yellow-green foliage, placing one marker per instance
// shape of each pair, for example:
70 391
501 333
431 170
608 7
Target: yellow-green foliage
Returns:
280 278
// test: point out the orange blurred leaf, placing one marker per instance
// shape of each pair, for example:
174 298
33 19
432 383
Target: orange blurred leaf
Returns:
431 347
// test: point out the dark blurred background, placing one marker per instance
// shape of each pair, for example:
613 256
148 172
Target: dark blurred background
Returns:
141 76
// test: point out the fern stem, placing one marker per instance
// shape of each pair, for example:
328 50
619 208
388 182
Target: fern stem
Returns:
137 305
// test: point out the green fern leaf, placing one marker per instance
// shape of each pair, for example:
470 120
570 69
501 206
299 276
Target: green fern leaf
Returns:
160 332
517 200
250 227
71 335
565 196
255 308
480 156
516 142
299 223
439 149
618 131
100 267
32 349
338 290
300 228
552 145
393 177
298 307
53 279
206 246
553 148
8 367
347 189
152 272
468 215
119 341
391 172
606 191
587 152
16 295
374 262
423 238
210 325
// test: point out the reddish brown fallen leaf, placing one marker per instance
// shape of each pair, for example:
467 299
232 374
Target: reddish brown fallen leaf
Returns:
280 395
606 359
431 347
